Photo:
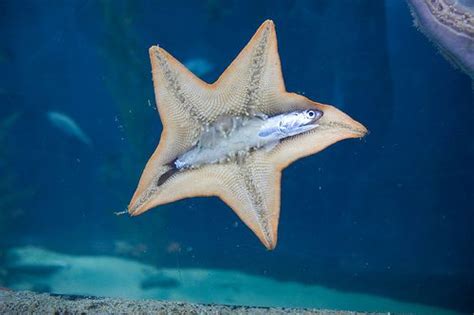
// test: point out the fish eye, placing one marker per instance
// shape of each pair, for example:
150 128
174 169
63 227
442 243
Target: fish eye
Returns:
311 114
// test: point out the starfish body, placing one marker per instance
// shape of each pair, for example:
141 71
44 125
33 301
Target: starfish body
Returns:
252 85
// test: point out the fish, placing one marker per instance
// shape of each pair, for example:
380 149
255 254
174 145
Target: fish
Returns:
68 126
289 124
243 135
199 66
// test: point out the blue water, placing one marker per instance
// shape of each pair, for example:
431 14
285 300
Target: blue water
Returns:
390 215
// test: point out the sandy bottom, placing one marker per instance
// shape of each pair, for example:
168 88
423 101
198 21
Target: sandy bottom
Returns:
37 269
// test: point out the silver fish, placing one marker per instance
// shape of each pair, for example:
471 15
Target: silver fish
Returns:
235 137
68 126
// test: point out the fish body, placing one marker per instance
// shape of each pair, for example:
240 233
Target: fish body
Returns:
235 137
199 66
68 126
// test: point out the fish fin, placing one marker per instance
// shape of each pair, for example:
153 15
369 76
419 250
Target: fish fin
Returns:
166 175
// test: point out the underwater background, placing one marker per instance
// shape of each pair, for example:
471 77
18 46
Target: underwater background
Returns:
391 215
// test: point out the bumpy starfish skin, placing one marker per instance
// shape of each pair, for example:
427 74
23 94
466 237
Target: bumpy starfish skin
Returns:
252 84
450 25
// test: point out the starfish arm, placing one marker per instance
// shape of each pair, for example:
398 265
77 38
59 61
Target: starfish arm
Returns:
334 126
249 85
254 80
180 96
200 182
181 100
252 190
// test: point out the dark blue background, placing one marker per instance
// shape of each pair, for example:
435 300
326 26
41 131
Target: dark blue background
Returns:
391 214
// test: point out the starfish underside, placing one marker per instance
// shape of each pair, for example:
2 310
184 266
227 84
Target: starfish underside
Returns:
252 84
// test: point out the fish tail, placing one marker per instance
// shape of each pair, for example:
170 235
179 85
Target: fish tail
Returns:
166 175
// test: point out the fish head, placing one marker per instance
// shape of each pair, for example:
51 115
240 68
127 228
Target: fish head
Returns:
300 121
310 116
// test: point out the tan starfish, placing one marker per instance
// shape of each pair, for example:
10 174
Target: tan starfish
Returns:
252 84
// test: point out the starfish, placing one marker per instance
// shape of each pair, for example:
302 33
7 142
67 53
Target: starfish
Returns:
252 85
